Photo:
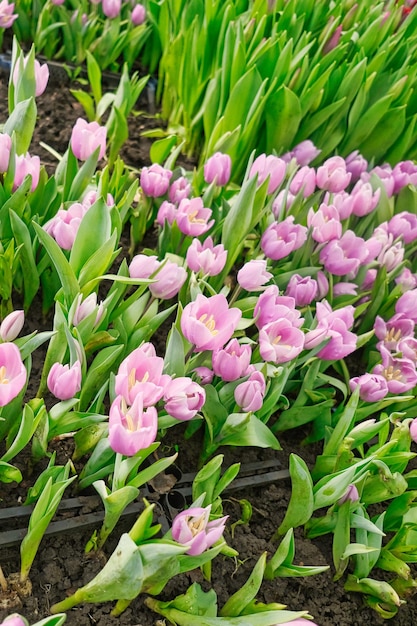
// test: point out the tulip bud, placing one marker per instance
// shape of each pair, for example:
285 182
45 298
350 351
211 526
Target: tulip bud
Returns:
138 15
86 137
5 147
218 168
12 325
64 381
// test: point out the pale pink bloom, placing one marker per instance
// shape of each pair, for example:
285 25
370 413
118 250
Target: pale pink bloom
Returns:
92 196
322 285
400 374
232 361
167 212
369 280
111 8
363 198
5 147
138 15
209 323
343 203
379 241
206 257
403 225
271 167
179 189
280 341
86 137
12 373
391 257
14 620
372 387
391 332
192 528
325 223
282 238
64 381
205 374
183 398
334 326
351 495
193 218
385 175
413 430
154 180
218 168
406 280
404 173
85 307
344 256
270 306
12 325
407 304
282 203
332 175
143 266
64 226
7 17
253 275
140 373
356 164
345 289
57 2
407 348
168 281
131 428
26 165
334 40
305 152
302 289
249 395
41 75
304 179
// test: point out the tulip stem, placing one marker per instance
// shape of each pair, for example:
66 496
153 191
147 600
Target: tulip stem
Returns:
3 581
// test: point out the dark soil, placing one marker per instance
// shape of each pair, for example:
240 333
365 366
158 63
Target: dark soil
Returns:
61 565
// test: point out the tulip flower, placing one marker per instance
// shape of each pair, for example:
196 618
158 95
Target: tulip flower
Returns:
271 167
407 347
249 395
192 528
141 372
86 137
64 381
332 175
302 289
218 168
403 225
413 430
232 361
167 212
168 281
372 387
179 190
7 17
406 305
12 373
404 173
26 165
351 495
253 275
14 620
64 226
400 374
391 257
363 199
384 173
282 238
138 15
304 180
305 152
111 8
206 257
131 428
333 325
41 75
205 374
5 147
85 307
193 218
325 223
282 203
143 266
356 164
406 280
183 398
12 325
208 323
391 332
344 256
154 180
271 306
280 341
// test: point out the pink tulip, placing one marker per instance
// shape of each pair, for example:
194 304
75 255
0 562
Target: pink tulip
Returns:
179 190
385 175
154 180
192 528
372 387
7 17
206 257
325 223
351 495
391 257
5 147
334 326
143 266
280 341
271 167
92 196
400 374
406 280
41 75
12 373
183 398
85 307
332 175
138 15
282 238
407 305
167 212
345 289
193 218
302 289
218 168
391 332
12 325
86 137
26 165
253 275
407 347
271 306
413 430
208 323
305 152
111 8
404 173
205 374
168 281
131 428
282 203
344 256
356 164
64 381
342 201
249 395
363 199
379 241
64 226
403 225
141 373
232 361
305 180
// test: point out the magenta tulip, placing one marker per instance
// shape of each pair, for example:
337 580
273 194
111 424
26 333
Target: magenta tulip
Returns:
218 168
413 430
179 189
400 374
138 15
64 226
14 620
332 175
141 373
41 75
206 257
406 305
394 330
86 137
271 167
304 180
282 238
167 212
356 164
183 398
271 306
249 395
325 223
143 266
305 152
403 225
12 373
372 387
363 198
85 307
111 8
131 428
344 256
404 173
303 289
192 528
232 361
63 381
154 180
208 323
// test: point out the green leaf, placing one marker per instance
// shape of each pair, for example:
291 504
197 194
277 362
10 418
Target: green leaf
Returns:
161 149
301 505
96 220
282 118
244 429
22 122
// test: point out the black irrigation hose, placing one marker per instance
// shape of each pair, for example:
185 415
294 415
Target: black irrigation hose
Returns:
251 475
